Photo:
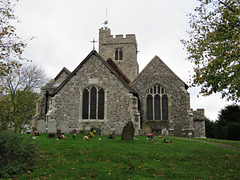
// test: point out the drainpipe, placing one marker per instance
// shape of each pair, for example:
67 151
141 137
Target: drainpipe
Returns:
46 103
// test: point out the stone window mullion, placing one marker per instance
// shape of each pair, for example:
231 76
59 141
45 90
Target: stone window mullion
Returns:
153 100
161 113
97 103
89 103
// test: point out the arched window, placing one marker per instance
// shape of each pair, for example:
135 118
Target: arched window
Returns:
157 103
93 103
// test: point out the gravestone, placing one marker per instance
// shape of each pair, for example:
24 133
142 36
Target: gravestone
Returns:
118 130
177 130
52 126
146 128
128 131
106 130
164 132
64 128
41 126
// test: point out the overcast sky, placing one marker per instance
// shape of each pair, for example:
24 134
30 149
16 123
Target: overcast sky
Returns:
64 29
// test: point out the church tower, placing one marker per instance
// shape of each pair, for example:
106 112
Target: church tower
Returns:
122 50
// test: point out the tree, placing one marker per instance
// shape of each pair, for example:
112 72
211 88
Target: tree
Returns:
18 113
231 131
209 127
227 115
11 45
214 47
19 96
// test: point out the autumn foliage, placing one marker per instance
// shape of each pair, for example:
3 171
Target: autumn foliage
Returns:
214 47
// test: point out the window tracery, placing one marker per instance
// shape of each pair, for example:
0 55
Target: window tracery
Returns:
157 103
93 103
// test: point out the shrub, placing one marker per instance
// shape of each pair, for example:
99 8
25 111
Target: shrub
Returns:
209 127
231 131
98 130
17 153
83 132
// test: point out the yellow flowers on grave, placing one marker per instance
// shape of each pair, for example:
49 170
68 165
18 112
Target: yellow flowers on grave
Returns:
86 138
90 135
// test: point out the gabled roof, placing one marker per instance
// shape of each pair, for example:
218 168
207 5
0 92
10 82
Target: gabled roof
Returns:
94 53
64 70
118 70
149 64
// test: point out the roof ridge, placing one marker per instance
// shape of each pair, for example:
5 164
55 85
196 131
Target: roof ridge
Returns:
94 52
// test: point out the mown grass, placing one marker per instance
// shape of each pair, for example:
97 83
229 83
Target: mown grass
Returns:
226 142
138 159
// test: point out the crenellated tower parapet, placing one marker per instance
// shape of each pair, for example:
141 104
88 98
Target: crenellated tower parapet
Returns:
105 37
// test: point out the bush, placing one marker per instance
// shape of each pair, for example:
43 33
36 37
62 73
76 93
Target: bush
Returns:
209 127
83 132
231 131
17 153
98 130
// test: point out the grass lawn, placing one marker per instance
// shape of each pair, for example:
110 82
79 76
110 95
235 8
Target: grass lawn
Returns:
138 159
226 142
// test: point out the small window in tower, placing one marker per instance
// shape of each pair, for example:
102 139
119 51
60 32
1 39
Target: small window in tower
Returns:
118 54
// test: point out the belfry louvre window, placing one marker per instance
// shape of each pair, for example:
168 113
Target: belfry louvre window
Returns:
157 103
118 54
93 103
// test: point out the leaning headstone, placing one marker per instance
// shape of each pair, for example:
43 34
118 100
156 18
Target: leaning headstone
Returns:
41 126
118 130
128 131
64 128
52 126
146 128
177 130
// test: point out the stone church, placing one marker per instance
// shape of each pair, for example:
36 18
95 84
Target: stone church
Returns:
106 91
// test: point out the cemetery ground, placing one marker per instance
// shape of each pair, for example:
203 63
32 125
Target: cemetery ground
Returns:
103 158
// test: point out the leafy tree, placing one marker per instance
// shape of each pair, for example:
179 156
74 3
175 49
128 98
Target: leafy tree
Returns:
214 47
11 45
18 99
227 115
209 127
5 116
18 113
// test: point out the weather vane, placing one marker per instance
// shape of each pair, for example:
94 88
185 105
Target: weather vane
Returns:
106 22
93 41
